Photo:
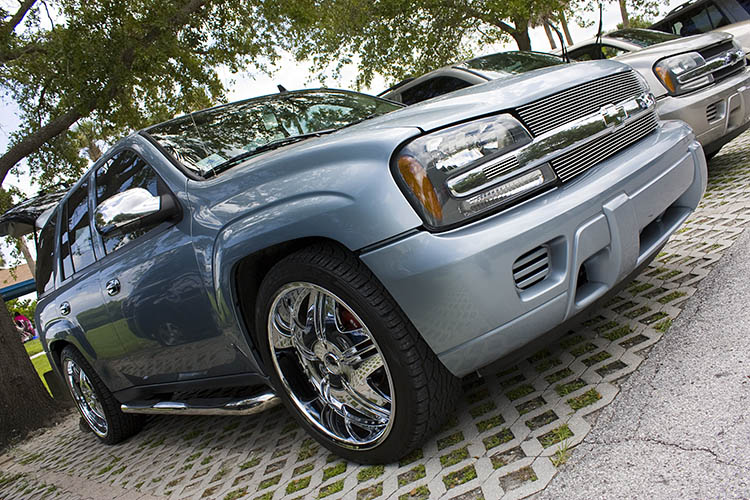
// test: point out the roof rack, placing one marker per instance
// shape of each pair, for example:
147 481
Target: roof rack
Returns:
399 84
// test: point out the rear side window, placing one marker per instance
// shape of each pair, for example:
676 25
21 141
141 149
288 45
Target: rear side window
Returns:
124 171
76 250
432 88
745 5
700 20
45 256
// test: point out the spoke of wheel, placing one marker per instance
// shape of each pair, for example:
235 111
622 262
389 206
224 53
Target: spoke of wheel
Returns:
320 313
369 402
359 353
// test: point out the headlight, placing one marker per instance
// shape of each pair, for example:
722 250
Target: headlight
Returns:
683 73
458 172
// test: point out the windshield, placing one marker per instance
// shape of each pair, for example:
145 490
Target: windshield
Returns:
513 62
642 38
210 139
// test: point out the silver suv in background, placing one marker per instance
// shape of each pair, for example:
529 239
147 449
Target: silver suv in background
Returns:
702 80
703 16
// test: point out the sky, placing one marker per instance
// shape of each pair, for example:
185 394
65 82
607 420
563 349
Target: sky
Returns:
296 75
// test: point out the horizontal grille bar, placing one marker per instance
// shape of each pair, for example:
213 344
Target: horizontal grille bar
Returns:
550 112
579 160
712 112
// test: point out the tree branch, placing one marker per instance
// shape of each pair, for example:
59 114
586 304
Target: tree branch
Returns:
8 27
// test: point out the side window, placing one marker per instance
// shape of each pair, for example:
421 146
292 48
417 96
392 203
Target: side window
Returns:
699 21
745 4
76 250
589 53
610 51
124 171
432 88
45 256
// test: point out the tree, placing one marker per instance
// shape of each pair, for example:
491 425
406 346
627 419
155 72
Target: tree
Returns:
396 38
633 12
120 65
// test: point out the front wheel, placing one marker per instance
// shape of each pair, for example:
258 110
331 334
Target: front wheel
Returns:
99 409
346 361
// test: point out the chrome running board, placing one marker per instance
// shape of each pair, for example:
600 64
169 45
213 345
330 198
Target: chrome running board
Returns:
205 406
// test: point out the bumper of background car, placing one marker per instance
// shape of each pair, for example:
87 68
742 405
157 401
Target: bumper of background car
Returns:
458 288
716 114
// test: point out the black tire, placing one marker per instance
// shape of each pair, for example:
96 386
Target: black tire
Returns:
424 389
119 425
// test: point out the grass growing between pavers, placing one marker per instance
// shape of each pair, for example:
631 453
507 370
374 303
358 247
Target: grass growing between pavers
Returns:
418 493
460 476
587 398
331 489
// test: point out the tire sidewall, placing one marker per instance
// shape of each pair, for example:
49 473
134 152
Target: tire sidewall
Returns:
405 394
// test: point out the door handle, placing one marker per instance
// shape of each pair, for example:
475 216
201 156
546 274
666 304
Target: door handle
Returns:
113 286
65 308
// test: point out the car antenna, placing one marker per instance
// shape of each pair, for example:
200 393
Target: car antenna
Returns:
281 88
599 33
563 46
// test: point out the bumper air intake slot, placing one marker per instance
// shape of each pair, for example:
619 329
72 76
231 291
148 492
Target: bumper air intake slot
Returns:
531 268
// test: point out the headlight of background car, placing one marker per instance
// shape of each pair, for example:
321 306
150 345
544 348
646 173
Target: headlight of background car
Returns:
456 173
677 73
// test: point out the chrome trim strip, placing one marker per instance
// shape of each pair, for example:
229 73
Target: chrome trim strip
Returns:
220 406
714 64
554 144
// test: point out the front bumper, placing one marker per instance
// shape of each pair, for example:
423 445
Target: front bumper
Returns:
717 114
457 287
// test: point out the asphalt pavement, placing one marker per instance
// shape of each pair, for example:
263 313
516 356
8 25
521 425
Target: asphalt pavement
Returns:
680 426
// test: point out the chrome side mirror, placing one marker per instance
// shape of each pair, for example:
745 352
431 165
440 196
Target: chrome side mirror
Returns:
131 209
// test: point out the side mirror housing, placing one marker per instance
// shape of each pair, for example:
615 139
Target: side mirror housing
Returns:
133 209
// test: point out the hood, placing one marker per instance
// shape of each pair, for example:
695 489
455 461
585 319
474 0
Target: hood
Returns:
674 47
29 214
741 32
493 96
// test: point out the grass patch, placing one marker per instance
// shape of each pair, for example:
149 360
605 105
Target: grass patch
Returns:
488 424
454 457
497 439
41 365
480 410
547 364
298 484
596 358
545 418
664 325
450 440
565 389
606 326
617 333
555 436
371 492
571 341
672 296
250 463
412 475
583 349
418 493
234 495
558 375
337 469
302 469
33 347
587 398
531 405
370 473
271 481
411 457
520 392
331 489
460 476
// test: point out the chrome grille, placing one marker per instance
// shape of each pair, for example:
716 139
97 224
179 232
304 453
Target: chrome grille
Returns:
712 112
531 268
558 109
583 158
501 168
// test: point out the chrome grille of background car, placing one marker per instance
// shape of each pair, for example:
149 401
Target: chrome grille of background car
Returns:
558 109
545 114
718 50
531 267
583 158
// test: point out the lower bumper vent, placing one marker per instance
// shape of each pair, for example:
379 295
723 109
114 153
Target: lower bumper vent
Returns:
531 268
712 112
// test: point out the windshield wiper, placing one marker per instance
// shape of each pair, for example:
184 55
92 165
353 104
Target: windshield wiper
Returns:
284 141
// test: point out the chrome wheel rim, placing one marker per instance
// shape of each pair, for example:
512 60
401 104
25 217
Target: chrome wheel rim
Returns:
330 365
85 397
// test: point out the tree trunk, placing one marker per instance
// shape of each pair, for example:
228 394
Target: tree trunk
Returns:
624 14
27 255
564 23
522 38
548 32
25 404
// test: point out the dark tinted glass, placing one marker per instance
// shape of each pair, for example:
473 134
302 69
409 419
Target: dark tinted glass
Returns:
745 4
76 251
589 53
513 62
206 139
45 256
124 171
701 20
432 88
642 38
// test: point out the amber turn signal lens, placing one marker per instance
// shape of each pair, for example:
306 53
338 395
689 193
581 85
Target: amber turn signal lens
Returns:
416 178
666 79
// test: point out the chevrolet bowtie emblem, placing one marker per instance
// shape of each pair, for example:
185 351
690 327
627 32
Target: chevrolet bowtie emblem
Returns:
613 115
